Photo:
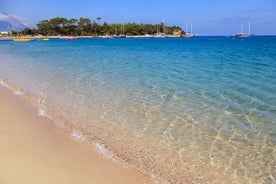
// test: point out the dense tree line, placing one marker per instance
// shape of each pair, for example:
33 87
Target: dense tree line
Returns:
85 27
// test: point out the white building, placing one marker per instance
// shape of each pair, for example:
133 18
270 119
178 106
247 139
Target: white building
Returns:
4 33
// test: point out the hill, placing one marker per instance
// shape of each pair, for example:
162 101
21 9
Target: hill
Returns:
12 22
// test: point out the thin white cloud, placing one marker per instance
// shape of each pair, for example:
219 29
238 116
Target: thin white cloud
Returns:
25 21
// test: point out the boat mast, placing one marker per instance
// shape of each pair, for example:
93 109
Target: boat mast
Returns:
186 27
123 29
248 27
191 28
241 28
163 26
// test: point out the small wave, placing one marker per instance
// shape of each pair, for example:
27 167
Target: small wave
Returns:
78 136
9 86
42 112
104 151
1 81
18 93
5 84
110 155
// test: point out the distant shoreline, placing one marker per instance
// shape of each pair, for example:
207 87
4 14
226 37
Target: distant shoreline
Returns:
136 36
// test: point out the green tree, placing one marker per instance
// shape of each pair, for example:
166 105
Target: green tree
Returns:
72 22
58 25
14 33
84 26
70 27
44 27
28 31
84 22
99 20
95 27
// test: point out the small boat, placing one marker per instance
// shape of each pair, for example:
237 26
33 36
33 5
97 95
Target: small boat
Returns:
187 34
23 39
159 34
147 36
42 39
241 34
244 35
68 38
122 35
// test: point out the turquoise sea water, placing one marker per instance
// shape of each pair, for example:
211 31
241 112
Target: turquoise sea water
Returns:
182 110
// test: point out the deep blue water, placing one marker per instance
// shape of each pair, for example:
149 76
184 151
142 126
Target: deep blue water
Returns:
209 100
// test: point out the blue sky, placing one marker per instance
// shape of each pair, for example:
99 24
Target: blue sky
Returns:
209 17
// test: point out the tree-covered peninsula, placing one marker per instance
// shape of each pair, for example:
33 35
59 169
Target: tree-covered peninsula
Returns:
85 27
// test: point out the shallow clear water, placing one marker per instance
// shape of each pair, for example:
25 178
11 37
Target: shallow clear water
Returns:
206 104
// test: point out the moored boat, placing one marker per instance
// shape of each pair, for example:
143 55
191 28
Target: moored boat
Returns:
244 34
42 39
241 34
23 39
68 38
187 34
159 34
122 35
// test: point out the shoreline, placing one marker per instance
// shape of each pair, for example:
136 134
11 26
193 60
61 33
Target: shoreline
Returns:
61 37
130 155
35 150
152 165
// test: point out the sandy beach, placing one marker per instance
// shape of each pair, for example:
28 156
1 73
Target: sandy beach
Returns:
33 150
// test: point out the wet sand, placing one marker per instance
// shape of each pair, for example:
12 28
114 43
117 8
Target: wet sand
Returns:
34 150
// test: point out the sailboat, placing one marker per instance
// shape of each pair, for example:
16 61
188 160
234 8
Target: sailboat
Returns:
159 34
241 34
122 35
187 34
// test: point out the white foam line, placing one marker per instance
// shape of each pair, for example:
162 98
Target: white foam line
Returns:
6 85
18 93
79 136
42 112
3 83
104 151
110 155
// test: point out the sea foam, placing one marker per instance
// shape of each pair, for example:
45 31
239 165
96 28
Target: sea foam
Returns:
43 113
78 136
18 93
104 151
5 84
8 86
110 155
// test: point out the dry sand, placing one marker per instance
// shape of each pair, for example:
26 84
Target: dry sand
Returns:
35 151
